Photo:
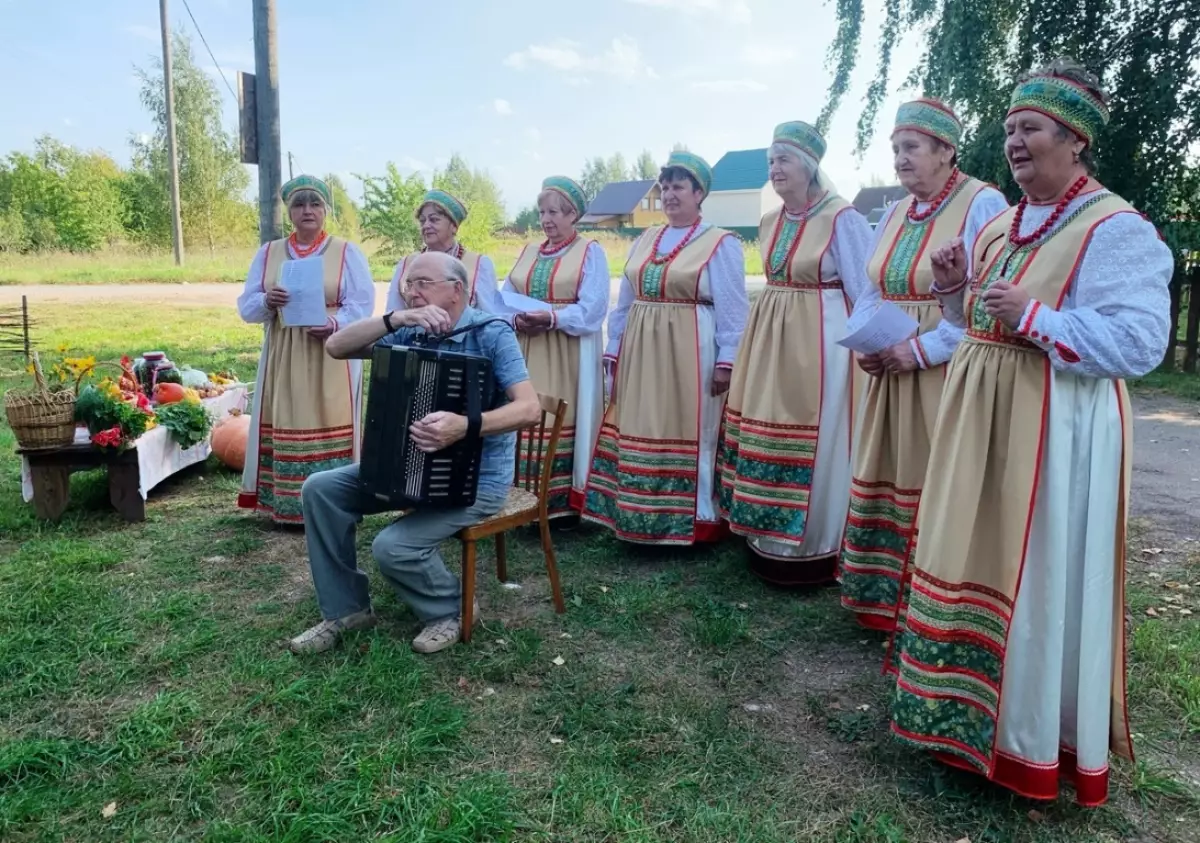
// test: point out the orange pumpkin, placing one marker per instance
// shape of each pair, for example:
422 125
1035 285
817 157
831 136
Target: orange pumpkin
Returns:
229 440
168 393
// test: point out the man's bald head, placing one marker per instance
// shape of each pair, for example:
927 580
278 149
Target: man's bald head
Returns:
439 279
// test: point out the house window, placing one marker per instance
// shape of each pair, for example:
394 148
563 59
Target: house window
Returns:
645 203
657 203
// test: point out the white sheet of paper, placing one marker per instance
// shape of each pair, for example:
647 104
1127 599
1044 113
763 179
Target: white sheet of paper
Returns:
305 284
870 332
523 304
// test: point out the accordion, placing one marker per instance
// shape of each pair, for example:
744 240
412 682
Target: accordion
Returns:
407 384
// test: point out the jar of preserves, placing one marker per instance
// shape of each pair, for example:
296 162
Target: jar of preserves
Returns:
153 368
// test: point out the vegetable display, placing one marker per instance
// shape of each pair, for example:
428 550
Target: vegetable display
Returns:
186 420
169 393
118 410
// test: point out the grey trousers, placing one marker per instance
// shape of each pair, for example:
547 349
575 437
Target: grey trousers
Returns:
406 550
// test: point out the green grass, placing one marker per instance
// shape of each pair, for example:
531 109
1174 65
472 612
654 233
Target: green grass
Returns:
1179 384
140 665
229 264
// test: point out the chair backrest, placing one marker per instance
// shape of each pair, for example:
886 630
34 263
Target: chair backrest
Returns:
537 446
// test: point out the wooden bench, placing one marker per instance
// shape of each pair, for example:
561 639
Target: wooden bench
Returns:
50 471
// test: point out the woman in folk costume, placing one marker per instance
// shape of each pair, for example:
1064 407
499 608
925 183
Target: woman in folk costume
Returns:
672 341
439 216
563 345
904 389
1011 657
307 414
785 469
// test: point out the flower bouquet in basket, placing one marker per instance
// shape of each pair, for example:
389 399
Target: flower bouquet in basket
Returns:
44 417
117 412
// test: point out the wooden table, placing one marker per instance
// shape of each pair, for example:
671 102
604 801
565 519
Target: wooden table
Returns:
50 471
46 474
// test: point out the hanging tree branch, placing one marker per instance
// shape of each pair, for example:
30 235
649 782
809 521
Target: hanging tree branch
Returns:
843 52
1146 52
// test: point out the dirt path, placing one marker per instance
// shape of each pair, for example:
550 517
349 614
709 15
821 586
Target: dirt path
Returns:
1166 483
1166 469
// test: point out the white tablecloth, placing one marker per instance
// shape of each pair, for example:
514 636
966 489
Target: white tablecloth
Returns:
158 454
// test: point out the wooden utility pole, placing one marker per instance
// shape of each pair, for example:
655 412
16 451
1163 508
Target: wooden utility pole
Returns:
270 162
172 150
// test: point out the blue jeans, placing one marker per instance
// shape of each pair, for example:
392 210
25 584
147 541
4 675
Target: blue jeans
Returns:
406 550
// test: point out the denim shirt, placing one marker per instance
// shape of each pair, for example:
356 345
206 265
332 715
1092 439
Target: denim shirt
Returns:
498 343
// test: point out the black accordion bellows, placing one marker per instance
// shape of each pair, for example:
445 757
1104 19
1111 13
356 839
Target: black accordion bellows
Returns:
407 384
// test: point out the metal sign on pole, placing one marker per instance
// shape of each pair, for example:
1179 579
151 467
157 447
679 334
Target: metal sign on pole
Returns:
247 119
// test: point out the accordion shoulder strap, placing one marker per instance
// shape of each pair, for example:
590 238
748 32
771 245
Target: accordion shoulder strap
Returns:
466 329
474 402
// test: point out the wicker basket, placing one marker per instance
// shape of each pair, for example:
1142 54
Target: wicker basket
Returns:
38 417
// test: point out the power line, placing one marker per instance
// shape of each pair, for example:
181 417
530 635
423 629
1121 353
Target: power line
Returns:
204 41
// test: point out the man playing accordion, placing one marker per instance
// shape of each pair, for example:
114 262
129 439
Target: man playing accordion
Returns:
407 549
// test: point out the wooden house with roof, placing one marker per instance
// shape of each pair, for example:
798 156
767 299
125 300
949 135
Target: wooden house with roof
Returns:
625 205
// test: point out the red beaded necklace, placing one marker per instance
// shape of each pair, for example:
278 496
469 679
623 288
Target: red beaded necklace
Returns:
548 248
1014 233
304 251
674 253
456 252
920 216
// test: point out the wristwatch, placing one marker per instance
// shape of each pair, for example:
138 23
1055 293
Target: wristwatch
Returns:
387 322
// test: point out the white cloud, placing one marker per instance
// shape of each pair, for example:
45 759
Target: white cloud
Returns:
561 55
736 11
503 107
409 163
623 59
146 33
730 86
765 55
533 134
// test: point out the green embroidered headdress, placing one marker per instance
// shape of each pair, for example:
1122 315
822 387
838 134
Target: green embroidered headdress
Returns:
570 190
453 208
930 117
1064 101
693 164
290 188
802 136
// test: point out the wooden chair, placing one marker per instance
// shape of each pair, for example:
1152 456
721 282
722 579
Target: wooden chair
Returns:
527 502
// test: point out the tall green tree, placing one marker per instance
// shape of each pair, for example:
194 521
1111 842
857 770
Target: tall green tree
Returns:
343 218
59 198
212 181
1146 53
593 177
644 167
479 192
600 171
527 220
389 208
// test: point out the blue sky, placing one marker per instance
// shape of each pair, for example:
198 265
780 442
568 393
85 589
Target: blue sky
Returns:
522 88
